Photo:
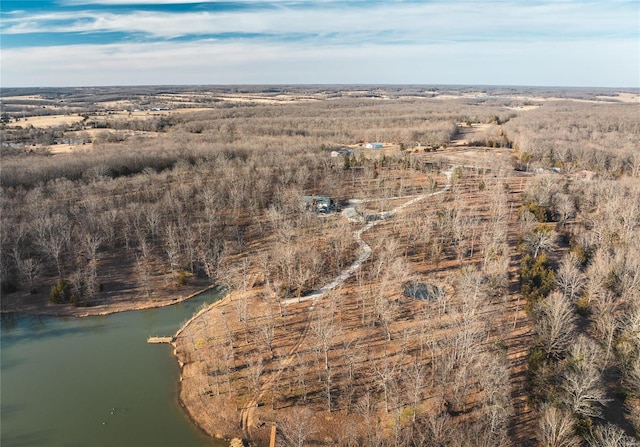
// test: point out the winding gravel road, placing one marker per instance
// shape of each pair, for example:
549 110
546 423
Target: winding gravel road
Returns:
366 249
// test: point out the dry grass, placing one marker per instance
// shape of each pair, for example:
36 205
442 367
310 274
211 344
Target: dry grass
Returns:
59 149
47 121
293 354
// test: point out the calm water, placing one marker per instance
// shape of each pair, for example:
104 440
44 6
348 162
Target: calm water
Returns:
94 381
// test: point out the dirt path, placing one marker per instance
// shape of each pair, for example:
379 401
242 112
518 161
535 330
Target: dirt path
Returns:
366 249
466 133
247 413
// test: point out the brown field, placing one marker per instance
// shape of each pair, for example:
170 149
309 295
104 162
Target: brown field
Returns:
48 121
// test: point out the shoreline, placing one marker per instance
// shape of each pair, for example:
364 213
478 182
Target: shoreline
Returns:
182 364
200 312
83 313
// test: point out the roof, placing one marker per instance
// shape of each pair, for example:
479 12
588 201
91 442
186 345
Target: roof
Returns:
321 203
319 199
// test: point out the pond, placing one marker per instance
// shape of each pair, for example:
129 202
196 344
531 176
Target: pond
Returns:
95 381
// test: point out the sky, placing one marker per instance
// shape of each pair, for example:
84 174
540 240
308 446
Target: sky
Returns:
581 43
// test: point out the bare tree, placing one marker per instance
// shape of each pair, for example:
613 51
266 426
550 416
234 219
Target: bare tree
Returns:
528 222
541 239
556 428
565 206
208 253
438 429
172 248
353 355
582 384
266 329
415 377
228 355
217 368
241 306
606 323
91 242
470 288
609 435
28 268
237 279
153 218
370 426
255 368
496 394
326 376
462 229
631 381
555 324
108 222
325 331
297 427
52 234
569 277
144 271
385 310
386 370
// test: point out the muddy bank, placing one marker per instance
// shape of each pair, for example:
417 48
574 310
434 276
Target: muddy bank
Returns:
37 305
224 424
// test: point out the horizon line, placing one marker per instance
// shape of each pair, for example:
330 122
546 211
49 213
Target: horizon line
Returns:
288 84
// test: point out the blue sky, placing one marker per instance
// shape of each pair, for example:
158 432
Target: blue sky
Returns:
499 42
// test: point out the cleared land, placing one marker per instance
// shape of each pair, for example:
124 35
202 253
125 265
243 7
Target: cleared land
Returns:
389 341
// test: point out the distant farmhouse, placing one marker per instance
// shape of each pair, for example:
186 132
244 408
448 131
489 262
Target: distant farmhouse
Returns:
373 145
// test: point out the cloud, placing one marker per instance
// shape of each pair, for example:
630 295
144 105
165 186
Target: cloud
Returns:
212 62
566 42
424 21
148 2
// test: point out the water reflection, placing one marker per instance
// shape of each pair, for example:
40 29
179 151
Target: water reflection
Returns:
35 327
33 439
94 381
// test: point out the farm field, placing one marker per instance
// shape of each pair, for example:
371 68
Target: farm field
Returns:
475 281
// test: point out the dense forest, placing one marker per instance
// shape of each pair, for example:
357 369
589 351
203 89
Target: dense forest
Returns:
520 218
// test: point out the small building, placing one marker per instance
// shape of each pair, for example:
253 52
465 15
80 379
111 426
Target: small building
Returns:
318 204
373 145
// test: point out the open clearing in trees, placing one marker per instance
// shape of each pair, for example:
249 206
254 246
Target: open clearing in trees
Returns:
514 211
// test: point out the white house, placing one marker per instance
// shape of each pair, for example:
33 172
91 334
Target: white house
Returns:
373 145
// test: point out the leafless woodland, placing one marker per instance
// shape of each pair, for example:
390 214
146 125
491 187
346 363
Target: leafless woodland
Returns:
533 241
